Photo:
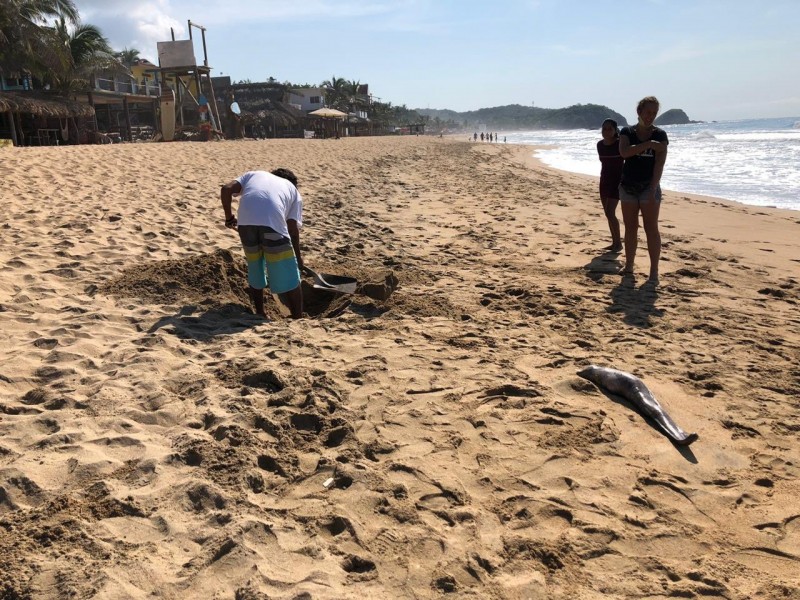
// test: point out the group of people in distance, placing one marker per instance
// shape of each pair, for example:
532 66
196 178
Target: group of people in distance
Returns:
632 164
271 209
489 137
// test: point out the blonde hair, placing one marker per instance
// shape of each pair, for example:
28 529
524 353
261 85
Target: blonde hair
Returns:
647 100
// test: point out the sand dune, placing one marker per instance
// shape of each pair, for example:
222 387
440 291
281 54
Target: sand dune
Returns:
158 440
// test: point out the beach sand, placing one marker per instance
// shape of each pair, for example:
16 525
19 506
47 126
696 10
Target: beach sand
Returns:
159 441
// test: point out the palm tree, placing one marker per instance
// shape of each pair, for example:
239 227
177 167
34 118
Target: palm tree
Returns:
355 100
25 37
127 56
84 50
336 88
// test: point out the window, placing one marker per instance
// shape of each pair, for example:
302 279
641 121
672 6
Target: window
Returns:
316 100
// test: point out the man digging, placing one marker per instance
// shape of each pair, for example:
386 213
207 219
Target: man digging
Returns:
269 220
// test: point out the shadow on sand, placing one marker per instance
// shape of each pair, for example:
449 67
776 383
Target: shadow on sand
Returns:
607 263
637 303
221 320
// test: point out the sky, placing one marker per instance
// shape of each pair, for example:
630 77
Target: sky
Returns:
715 59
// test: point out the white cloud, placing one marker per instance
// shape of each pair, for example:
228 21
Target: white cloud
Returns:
142 24
138 26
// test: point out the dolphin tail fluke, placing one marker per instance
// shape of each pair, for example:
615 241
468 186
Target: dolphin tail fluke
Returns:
686 440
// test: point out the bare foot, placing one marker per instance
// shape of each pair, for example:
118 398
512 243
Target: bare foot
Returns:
626 270
616 247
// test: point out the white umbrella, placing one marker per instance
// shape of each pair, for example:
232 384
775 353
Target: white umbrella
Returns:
328 113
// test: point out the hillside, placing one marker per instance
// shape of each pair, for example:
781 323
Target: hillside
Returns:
674 116
517 116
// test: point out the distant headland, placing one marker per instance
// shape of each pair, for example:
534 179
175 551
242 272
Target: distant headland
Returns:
674 116
518 117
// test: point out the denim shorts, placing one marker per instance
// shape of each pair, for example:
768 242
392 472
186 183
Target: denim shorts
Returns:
640 198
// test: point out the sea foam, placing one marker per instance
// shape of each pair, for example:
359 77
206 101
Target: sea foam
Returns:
748 161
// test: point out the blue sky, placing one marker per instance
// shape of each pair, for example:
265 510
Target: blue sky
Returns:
716 59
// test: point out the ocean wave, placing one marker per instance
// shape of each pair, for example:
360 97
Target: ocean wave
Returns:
757 157
796 125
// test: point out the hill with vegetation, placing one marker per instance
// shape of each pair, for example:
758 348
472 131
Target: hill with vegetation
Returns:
674 116
517 116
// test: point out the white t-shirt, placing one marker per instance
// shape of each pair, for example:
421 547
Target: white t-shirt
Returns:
267 199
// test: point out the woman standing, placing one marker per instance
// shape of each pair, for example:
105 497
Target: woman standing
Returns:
610 175
644 148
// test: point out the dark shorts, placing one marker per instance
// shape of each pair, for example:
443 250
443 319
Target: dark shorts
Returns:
270 259
640 197
609 186
610 192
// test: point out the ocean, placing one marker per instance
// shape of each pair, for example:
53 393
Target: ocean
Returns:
754 161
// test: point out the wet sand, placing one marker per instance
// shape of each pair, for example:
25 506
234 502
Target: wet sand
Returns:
158 440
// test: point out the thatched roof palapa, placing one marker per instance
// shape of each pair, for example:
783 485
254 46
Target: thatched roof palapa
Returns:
262 110
280 118
43 104
263 102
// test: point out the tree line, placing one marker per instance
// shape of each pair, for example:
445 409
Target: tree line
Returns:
343 94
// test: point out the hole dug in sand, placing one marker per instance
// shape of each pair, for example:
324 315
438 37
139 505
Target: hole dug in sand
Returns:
218 282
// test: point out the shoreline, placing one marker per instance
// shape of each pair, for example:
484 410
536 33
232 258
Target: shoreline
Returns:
665 190
430 436
535 162
777 191
692 214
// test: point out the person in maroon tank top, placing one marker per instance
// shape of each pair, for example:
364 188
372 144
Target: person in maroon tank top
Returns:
610 176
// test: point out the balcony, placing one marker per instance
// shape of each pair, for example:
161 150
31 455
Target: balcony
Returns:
149 88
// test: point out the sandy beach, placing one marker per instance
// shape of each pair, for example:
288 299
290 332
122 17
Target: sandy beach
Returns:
426 437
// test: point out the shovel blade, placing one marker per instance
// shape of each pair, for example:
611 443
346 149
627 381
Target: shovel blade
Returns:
332 283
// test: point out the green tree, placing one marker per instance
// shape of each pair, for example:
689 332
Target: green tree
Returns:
336 92
128 57
26 40
85 50
355 100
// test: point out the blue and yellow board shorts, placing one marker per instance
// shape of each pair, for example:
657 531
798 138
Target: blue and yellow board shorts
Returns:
270 259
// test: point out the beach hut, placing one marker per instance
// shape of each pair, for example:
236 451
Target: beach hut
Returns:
41 118
330 119
264 113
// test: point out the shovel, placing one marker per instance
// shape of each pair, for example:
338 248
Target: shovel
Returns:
332 283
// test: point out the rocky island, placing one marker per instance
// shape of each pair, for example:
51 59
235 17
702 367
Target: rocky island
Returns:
674 116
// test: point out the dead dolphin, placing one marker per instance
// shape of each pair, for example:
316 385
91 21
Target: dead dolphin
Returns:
636 392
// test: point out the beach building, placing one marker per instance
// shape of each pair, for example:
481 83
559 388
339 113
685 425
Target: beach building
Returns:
42 118
265 110
15 81
31 117
125 102
307 99
358 122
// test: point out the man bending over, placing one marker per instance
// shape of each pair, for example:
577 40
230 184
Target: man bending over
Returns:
270 217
